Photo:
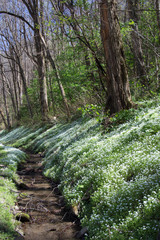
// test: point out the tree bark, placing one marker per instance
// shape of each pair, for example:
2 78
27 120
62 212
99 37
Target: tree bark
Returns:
13 88
119 96
41 75
40 58
7 122
3 118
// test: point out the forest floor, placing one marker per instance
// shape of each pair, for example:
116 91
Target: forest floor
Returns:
43 205
111 177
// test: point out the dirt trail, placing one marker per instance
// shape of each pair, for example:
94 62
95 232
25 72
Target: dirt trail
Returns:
42 202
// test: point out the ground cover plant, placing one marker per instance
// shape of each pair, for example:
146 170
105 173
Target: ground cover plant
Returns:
111 176
9 159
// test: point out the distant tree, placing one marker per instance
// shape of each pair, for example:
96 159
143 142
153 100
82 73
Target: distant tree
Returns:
157 7
34 10
13 54
133 12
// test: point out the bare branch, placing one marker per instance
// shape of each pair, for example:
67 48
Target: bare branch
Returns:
18 16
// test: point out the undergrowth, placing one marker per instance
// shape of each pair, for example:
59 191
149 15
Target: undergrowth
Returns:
111 176
9 159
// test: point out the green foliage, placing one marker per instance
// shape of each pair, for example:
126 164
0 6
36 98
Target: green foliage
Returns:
7 200
28 136
9 159
121 117
90 110
14 135
77 77
33 94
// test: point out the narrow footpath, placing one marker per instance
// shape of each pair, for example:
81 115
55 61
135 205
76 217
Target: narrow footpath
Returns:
46 216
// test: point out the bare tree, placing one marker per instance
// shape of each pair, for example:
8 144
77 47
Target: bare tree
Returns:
35 9
14 52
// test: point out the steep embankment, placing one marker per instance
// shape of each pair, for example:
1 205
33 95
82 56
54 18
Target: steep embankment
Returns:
111 178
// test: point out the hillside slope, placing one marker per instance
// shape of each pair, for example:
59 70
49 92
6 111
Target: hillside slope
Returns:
111 178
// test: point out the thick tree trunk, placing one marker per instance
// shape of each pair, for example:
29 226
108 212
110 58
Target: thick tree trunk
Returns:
119 96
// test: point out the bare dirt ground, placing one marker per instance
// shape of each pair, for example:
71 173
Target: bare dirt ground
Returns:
48 218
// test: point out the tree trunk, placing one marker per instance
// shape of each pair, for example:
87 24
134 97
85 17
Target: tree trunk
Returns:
33 8
7 122
24 85
119 96
3 118
51 95
14 87
62 92
54 66
41 71
42 81
157 5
